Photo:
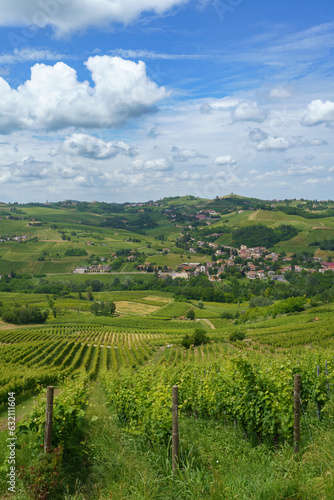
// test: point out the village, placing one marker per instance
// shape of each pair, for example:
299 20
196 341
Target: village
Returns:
251 263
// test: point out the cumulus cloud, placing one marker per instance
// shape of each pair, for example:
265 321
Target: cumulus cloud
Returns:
66 16
159 165
186 154
92 147
54 99
270 143
248 111
224 160
318 112
31 171
26 169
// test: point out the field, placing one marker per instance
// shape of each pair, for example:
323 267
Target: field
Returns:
136 355
233 361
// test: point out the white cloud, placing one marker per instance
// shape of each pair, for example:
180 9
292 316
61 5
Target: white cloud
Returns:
248 111
269 143
160 164
225 104
69 15
183 155
225 160
331 169
54 99
27 169
319 112
93 147
30 54
305 170
150 54
324 180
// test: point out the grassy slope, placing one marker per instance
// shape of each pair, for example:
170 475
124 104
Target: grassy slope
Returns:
23 257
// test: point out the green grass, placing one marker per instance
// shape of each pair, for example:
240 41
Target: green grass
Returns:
217 462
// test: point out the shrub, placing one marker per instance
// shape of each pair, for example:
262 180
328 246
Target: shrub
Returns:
191 314
260 301
186 342
41 478
24 315
76 252
199 337
237 335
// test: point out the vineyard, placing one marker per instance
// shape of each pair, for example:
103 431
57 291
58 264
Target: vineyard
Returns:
241 390
32 357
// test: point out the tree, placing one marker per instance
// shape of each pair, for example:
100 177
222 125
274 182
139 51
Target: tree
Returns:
186 342
200 337
237 335
23 315
90 295
191 314
200 304
94 308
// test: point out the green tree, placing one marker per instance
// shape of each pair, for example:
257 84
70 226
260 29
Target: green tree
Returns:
200 337
191 314
90 295
237 335
94 308
186 342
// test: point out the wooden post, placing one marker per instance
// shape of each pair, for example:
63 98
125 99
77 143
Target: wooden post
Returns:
175 429
327 378
296 423
318 403
48 419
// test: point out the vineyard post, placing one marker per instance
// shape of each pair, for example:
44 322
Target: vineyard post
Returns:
175 428
318 403
296 423
48 419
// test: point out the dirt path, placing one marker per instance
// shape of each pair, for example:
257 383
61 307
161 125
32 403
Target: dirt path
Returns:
208 322
8 326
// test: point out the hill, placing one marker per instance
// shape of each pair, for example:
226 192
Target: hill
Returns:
54 238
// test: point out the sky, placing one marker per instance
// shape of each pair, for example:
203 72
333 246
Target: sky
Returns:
134 100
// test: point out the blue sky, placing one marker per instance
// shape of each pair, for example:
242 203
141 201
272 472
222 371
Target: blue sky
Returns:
119 100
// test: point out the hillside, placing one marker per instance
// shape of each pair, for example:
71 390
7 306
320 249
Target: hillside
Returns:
116 303
39 239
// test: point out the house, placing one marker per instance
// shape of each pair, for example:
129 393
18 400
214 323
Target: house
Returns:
328 266
183 275
80 270
251 275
